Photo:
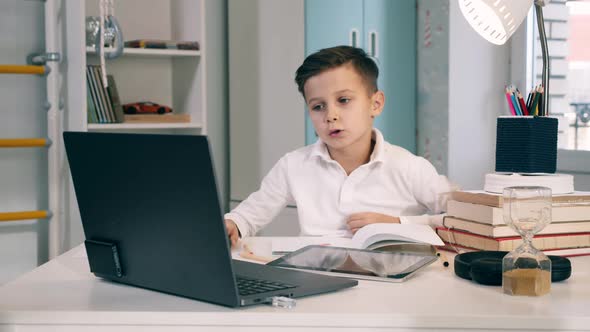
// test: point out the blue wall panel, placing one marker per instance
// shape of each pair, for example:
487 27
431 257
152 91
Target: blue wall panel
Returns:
330 22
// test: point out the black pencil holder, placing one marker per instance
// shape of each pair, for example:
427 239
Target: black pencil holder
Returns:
526 144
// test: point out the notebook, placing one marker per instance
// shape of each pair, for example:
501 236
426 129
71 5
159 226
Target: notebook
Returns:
152 219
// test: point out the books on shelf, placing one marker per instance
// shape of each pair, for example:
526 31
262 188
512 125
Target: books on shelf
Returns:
372 237
494 215
103 103
163 44
491 199
505 230
113 94
509 243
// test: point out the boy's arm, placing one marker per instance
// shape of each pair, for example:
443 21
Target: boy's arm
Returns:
434 220
430 189
262 206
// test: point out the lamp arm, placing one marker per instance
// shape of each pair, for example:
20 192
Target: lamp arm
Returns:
546 66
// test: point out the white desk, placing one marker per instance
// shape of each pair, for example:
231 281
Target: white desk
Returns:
62 295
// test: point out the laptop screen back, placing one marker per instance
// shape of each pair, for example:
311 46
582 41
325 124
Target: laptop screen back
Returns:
155 197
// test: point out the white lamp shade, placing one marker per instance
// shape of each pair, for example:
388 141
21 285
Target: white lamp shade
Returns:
495 20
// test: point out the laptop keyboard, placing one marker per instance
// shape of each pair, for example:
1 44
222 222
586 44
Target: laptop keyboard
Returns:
249 286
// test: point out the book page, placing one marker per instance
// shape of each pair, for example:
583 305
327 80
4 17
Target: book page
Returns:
284 245
374 233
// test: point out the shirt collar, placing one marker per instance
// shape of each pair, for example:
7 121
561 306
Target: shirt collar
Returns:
320 149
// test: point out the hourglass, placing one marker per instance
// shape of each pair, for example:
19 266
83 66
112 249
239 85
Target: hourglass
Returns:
526 270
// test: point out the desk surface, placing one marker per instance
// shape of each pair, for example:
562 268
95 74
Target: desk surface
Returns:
65 295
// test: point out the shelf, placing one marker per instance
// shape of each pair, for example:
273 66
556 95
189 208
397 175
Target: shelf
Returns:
139 126
151 52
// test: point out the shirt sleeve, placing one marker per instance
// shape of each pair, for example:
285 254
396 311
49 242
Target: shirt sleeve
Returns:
434 220
430 190
262 206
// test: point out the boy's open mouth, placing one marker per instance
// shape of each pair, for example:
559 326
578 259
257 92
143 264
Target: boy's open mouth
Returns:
335 132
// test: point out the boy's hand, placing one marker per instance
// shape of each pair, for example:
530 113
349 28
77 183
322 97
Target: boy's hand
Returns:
358 220
232 232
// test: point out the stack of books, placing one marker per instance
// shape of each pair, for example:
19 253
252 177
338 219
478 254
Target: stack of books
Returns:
104 105
475 221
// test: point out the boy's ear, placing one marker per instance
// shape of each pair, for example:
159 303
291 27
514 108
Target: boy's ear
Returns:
377 103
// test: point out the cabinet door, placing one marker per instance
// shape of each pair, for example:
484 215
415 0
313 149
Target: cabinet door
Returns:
331 23
390 36
386 29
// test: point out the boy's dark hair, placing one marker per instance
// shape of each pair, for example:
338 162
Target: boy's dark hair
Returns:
333 57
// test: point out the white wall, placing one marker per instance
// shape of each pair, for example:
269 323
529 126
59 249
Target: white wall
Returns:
478 72
23 172
266 46
267 114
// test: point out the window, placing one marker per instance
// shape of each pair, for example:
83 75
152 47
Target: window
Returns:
566 25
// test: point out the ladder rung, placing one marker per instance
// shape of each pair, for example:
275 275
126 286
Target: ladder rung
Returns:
24 215
22 69
24 142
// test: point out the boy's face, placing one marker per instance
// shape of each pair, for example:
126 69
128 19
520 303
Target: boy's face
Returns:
341 107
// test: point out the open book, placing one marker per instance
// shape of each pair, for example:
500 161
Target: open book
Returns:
371 237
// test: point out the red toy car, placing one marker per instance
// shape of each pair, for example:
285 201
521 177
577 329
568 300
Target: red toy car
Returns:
145 107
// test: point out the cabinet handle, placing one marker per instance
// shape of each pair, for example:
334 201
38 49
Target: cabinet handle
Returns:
353 37
373 44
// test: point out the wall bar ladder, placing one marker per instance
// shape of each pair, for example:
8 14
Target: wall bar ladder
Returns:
24 142
24 215
23 69
45 64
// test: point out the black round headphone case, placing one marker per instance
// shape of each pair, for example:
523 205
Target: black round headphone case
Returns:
485 267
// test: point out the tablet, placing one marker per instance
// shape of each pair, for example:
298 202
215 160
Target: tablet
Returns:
392 266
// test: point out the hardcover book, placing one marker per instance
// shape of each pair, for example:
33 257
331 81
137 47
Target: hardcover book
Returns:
496 231
486 214
490 199
115 100
543 241
102 95
568 252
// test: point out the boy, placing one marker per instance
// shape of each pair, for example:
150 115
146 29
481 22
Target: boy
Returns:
350 177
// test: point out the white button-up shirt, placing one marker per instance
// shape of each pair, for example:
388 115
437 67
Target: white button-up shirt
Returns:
394 182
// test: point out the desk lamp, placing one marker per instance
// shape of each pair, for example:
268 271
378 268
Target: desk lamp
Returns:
497 20
524 144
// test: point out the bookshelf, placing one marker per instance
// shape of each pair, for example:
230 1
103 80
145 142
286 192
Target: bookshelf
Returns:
175 78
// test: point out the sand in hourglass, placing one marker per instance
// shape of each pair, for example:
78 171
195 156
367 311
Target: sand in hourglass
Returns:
528 282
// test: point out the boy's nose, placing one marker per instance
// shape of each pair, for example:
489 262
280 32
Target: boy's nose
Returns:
332 116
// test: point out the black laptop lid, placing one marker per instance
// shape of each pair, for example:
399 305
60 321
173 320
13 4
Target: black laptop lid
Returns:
154 197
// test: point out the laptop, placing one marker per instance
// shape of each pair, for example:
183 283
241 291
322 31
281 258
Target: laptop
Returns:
152 219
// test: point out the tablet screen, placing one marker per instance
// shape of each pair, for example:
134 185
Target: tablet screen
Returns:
364 264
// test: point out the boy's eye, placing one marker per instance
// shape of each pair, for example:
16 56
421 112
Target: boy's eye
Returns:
318 107
344 100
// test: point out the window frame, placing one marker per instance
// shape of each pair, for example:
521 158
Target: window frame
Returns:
522 74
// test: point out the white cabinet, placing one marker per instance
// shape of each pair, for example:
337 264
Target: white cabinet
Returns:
191 82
